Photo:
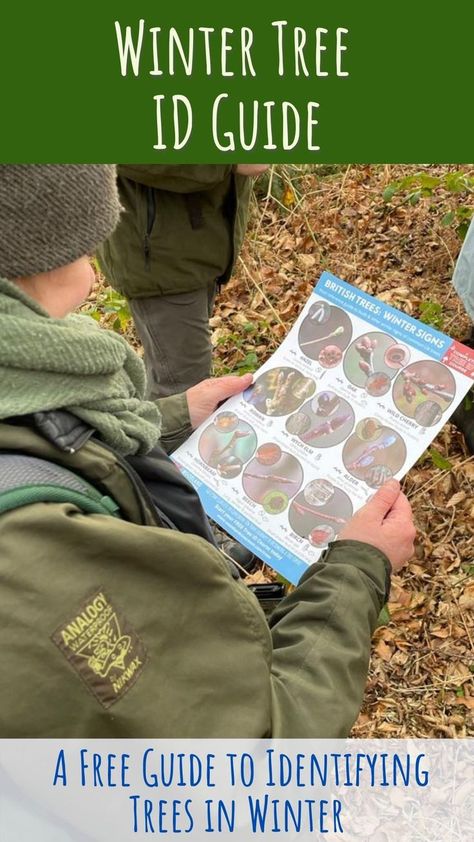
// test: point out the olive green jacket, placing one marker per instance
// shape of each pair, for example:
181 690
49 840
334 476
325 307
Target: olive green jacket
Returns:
119 627
181 229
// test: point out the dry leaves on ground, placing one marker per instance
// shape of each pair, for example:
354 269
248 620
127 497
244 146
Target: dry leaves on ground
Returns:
421 681
421 678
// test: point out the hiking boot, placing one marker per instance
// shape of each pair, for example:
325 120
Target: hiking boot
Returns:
243 557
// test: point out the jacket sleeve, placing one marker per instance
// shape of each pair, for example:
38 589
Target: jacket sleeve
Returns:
187 178
85 590
321 642
175 421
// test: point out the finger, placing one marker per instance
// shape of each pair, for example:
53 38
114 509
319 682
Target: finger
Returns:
401 509
226 387
233 384
383 500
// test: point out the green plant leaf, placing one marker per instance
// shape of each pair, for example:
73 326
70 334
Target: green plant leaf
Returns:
457 182
390 191
431 313
464 213
414 198
439 461
448 218
384 617
428 181
462 229
249 363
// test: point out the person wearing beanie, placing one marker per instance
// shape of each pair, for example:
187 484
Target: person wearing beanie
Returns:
51 215
121 618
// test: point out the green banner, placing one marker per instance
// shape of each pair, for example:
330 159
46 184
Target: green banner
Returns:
208 83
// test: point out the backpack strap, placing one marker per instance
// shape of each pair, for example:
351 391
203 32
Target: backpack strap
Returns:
27 479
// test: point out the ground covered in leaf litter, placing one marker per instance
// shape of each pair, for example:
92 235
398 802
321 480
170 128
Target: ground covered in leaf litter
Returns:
421 680
307 219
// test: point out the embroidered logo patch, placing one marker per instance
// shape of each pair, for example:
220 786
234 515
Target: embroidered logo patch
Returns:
102 647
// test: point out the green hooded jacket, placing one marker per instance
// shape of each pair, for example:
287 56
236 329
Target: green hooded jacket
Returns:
181 229
120 627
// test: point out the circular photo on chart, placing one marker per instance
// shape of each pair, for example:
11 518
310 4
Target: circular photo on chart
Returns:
275 502
428 413
321 535
365 362
225 451
397 356
331 336
226 422
377 475
321 520
428 384
268 453
331 420
368 429
378 384
273 484
279 391
329 356
319 313
318 492
298 423
361 457
325 404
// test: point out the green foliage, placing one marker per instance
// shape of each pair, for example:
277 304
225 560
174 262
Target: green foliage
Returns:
243 343
325 170
280 184
462 216
283 182
431 313
108 301
412 188
233 339
384 617
438 460
249 363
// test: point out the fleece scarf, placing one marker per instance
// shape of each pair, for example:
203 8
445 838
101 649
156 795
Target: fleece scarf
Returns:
73 364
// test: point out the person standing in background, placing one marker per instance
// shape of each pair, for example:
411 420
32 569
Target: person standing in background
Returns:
463 280
175 245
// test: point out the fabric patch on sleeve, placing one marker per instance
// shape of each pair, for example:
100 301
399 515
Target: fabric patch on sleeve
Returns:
101 645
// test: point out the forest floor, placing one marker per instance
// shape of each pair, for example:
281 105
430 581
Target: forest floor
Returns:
403 250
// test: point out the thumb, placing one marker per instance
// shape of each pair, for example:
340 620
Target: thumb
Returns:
383 500
232 384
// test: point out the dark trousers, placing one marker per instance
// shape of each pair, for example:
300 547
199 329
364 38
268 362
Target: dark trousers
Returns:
174 331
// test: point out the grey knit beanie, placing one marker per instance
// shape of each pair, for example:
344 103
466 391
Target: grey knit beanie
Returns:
52 214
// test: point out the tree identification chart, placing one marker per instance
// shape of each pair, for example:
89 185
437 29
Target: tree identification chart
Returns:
352 397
